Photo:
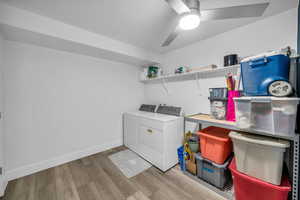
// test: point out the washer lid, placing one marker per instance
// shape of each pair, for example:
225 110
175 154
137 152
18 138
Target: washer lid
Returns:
154 116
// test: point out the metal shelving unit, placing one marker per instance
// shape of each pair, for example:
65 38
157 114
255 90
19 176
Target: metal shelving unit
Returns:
295 140
227 192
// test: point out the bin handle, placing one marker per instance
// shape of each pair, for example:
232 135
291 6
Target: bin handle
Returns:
259 61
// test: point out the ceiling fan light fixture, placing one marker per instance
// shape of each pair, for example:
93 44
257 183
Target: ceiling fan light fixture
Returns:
189 21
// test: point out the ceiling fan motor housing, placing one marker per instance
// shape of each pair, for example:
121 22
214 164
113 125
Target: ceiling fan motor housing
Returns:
192 4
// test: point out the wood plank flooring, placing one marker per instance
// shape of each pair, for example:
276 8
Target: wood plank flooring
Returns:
97 178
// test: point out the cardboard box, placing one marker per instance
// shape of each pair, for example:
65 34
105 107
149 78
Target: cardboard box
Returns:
191 164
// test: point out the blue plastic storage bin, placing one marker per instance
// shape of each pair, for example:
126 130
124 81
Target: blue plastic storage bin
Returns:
258 73
180 152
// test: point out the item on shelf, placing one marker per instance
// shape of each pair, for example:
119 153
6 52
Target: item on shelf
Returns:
230 82
258 156
218 93
194 146
215 174
267 74
152 71
250 188
203 68
230 112
144 74
218 108
187 136
218 102
271 115
180 153
230 60
180 70
191 164
215 144
194 137
187 150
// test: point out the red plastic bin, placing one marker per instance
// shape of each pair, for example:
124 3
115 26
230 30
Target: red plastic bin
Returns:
215 144
250 188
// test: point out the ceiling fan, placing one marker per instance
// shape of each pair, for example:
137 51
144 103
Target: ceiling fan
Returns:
190 14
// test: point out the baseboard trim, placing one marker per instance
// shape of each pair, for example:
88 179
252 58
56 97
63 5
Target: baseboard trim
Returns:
36 167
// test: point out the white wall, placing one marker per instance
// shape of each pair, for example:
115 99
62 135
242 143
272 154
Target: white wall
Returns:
272 33
3 181
59 105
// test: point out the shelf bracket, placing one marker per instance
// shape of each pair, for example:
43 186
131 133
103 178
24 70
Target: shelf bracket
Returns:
198 84
163 82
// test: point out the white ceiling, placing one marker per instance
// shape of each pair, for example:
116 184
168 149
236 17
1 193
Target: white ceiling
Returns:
143 23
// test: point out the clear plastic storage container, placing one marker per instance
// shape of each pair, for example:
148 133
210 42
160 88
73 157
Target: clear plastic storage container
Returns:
272 115
258 156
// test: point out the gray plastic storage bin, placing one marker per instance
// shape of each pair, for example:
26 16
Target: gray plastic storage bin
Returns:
217 175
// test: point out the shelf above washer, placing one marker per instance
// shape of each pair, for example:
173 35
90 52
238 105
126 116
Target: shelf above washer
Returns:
221 71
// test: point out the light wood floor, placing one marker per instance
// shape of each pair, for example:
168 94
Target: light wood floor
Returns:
96 178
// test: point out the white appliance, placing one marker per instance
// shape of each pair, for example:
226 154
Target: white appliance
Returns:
154 136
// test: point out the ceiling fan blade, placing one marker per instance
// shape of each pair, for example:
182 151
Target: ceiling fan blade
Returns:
179 6
254 10
171 37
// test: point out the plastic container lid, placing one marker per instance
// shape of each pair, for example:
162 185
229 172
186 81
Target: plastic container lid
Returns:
266 54
225 165
215 133
266 98
267 141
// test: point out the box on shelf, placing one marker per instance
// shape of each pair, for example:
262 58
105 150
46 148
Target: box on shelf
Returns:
215 144
217 175
272 115
250 188
202 68
258 156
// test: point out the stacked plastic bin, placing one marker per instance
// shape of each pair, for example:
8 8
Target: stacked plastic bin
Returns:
258 165
257 168
215 156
